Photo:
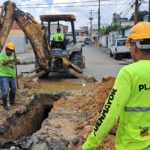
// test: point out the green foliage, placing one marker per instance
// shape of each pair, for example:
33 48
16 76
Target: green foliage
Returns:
126 27
110 28
113 27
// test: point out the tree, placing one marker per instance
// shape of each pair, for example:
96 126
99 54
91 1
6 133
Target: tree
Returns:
141 15
110 28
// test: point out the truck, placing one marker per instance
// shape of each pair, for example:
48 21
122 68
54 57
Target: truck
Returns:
119 49
48 59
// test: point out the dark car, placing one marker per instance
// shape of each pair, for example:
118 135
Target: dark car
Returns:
87 41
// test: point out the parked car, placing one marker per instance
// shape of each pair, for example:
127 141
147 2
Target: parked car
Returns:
81 42
87 41
119 49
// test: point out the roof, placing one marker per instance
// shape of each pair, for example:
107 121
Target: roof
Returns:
65 17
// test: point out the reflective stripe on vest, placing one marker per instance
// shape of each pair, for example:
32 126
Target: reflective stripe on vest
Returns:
137 109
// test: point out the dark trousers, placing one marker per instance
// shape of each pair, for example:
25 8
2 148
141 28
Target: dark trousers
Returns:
7 83
58 44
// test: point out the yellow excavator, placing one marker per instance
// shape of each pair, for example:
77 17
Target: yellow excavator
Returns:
48 58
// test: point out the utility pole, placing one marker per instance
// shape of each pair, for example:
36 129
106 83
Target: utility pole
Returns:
149 12
99 16
136 17
91 18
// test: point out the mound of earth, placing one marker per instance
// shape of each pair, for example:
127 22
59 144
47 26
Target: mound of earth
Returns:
71 117
83 110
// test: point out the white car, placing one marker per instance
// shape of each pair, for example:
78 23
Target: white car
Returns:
119 48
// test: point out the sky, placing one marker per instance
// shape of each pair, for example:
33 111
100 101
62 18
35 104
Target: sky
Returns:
80 8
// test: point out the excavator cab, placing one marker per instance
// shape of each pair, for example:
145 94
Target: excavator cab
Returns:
53 23
68 48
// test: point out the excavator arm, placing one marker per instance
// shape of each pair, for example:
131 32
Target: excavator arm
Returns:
36 35
6 21
32 29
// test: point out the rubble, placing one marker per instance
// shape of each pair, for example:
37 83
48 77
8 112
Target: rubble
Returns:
65 118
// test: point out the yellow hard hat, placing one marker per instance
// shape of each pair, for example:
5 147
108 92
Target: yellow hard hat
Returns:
10 46
138 32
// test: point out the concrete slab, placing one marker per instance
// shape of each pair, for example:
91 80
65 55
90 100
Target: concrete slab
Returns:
26 58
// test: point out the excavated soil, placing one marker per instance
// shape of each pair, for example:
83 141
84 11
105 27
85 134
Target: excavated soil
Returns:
59 120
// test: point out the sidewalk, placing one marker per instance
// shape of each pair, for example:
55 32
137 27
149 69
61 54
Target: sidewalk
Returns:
26 58
104 49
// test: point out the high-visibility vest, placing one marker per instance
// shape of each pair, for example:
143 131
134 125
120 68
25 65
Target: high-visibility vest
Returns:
58 36
8 70
129 100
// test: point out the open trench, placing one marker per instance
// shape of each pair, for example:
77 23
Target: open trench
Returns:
19 127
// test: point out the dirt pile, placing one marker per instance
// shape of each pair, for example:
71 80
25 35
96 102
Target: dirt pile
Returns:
93 106
26 86
83 109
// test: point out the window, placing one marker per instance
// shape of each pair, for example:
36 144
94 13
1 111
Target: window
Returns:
121 42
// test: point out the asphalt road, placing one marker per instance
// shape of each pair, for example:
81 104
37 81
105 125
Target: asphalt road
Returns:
99 64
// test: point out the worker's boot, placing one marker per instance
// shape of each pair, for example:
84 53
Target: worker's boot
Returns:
5 103
12 99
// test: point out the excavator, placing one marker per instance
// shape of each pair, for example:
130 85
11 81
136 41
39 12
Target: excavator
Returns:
46 58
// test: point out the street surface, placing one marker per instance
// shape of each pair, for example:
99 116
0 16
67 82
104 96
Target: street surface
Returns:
99 64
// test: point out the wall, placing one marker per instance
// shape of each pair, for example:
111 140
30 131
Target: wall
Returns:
112 36
18 38
104 40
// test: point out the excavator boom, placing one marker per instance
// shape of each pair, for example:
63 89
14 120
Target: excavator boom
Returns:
6 21
33 30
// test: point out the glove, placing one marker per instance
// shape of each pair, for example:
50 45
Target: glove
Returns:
11 59
5 62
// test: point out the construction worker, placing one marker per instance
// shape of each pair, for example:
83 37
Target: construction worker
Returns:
58 39
129 99
8 74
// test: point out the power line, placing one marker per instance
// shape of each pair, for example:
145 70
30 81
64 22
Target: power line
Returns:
89 1
121 8
47 6
128 9
127 6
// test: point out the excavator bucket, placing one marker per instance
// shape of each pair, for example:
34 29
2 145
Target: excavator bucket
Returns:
77 72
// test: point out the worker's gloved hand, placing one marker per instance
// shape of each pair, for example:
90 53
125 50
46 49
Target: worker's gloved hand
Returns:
15 59
11 60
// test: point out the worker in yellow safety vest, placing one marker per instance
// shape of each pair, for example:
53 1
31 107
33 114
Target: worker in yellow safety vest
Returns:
129 99
8 75
58 39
